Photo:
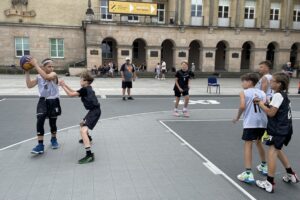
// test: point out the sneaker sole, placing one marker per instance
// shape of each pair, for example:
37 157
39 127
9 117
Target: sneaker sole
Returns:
86 162
36 153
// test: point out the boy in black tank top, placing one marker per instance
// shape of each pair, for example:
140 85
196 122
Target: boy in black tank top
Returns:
280 130
91 104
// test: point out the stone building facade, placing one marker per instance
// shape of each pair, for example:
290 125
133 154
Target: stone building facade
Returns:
216 35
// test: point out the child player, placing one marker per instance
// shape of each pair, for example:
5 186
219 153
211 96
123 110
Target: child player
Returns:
181 88
49 104
254 124
280 130
91 104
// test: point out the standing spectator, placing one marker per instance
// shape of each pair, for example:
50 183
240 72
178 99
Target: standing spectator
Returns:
264 83
163 72
111 69
193 70
287 69
157 71
128 75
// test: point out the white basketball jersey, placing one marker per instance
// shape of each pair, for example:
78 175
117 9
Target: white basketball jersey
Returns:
254 116
47 89
269 91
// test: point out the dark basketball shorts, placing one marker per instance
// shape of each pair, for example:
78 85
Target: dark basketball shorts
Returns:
91 118
48 107
250 134
179 94
126 84
279 141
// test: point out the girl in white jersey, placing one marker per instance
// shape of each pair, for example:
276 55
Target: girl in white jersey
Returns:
48 105
254 125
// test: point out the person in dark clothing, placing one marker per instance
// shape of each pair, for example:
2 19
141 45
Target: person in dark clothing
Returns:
181 88
91 104
128 75
280 130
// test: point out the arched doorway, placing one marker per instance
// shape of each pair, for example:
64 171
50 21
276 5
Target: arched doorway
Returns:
294 54
271 53
221 59
139 52
194 54
109 51
246 63
167 53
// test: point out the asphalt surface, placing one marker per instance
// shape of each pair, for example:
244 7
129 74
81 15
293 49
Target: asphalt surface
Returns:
218 140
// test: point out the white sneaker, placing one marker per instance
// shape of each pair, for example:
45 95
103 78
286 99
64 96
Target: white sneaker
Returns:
290 178
266 185
246 177
186 113
176 114
262 169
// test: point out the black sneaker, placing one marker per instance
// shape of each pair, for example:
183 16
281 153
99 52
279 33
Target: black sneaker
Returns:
86 159
124 99
130 98
90 138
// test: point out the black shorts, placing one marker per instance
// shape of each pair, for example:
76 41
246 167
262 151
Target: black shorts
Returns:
126 84
163 71
279 141
250 134
49 107
92 117
179 94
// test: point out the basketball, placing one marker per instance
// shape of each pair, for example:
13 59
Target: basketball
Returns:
25 64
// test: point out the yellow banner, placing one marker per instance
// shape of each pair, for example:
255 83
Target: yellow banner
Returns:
132 8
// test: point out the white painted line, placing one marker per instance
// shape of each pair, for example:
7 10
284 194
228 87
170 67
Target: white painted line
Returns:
63 129
210 164
213 168
103 96
2 99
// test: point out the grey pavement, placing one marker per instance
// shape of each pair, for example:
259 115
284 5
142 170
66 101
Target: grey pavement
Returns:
134 160
15 85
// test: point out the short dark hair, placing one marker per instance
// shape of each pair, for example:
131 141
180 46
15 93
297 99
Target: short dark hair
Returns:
282 78
87 77
253 77
267 63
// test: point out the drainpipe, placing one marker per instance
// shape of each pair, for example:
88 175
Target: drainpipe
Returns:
262 14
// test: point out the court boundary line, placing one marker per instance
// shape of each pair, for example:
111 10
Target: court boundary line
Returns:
2 99
211 166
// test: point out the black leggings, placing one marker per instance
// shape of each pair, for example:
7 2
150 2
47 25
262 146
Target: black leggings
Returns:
40 124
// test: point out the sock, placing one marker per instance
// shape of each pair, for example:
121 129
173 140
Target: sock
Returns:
184 109
88 151
175 109
289 170
248 170
40 141
270 179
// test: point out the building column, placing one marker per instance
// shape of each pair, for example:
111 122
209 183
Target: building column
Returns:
153 55
259 55
211 12
208 59
94 56
282 56
266 14
123 52
180 54
234 59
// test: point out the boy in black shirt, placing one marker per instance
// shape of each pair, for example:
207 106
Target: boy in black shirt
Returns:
181 88
91 104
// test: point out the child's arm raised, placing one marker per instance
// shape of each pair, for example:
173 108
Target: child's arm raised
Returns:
270 111
30 83
241 108
70 92
51 76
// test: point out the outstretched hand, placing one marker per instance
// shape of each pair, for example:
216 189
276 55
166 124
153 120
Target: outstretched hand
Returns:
61 82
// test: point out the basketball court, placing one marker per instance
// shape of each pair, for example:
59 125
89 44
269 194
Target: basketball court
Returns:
142 152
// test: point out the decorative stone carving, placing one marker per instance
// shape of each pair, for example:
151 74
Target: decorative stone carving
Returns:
18 9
